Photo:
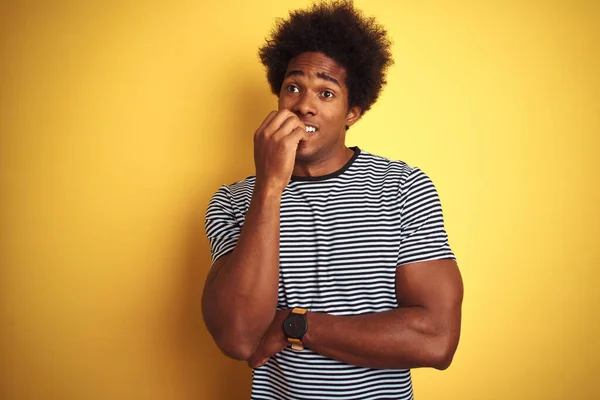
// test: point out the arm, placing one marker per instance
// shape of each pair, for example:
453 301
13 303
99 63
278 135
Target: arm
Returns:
422 332
240 293
424 329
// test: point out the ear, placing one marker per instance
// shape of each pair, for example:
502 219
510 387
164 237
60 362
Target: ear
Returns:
353 115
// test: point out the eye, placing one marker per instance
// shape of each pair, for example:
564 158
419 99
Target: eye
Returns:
292 89
327 94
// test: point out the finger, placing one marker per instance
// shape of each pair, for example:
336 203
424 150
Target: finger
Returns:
297 135
275 124
266 121
257 363
263 362
288 127
252 361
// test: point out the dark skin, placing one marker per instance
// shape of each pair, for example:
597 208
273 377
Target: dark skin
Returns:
240 295
423 331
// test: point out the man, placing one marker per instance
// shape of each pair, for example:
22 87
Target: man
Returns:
332 274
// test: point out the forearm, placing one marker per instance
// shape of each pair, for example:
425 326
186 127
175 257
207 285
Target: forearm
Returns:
403 338
240 301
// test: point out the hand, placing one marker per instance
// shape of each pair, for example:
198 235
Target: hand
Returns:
272 342
275 145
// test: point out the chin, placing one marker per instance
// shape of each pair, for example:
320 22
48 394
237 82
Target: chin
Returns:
306 152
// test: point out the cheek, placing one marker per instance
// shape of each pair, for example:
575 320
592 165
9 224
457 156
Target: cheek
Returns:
284 103
334 114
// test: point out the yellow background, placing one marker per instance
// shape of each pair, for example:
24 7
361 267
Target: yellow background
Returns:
118 121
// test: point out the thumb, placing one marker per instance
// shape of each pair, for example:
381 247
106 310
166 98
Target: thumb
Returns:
257 364
299 134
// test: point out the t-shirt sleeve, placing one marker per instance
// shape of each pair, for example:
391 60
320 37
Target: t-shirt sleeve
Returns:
222 228
423 236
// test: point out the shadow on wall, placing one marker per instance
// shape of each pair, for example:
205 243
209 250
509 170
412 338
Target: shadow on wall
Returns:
206 371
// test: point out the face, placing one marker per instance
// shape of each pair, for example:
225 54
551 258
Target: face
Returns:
315 90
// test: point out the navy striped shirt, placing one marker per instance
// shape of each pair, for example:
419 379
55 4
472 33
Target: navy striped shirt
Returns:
342 237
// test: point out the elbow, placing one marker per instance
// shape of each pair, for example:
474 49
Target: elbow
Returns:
232 343
235 349
442 357
443 362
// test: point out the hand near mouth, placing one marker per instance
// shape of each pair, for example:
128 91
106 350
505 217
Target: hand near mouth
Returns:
275 144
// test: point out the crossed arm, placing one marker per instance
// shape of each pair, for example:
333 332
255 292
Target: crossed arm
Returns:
423 331
240 300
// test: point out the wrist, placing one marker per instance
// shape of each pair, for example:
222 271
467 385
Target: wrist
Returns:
267 189
308 338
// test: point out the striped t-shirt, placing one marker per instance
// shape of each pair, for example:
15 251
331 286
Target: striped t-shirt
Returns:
342 237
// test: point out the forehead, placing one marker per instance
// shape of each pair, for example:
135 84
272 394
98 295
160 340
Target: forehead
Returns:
312 63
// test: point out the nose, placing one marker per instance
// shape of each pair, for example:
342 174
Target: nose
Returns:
305 105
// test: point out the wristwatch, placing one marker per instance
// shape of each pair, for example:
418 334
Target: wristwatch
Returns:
295 326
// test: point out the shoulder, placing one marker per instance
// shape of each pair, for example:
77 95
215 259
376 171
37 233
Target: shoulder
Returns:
243 189
234 195
237 189
397 170
409 181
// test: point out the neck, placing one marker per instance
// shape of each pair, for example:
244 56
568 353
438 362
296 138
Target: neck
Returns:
323 166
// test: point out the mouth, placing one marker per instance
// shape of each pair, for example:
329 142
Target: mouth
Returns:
311 130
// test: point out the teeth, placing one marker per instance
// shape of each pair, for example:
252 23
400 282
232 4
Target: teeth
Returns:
311 129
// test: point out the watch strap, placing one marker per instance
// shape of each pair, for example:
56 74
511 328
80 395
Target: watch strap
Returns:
297 344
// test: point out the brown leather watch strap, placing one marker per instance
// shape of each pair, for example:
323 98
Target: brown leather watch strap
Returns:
297 344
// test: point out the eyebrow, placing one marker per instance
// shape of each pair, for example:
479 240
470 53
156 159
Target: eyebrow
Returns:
321 75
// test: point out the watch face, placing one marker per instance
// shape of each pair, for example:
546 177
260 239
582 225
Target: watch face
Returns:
295 326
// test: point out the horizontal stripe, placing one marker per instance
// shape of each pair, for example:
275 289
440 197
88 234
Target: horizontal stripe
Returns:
341 240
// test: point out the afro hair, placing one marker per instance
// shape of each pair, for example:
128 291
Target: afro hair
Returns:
342 33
